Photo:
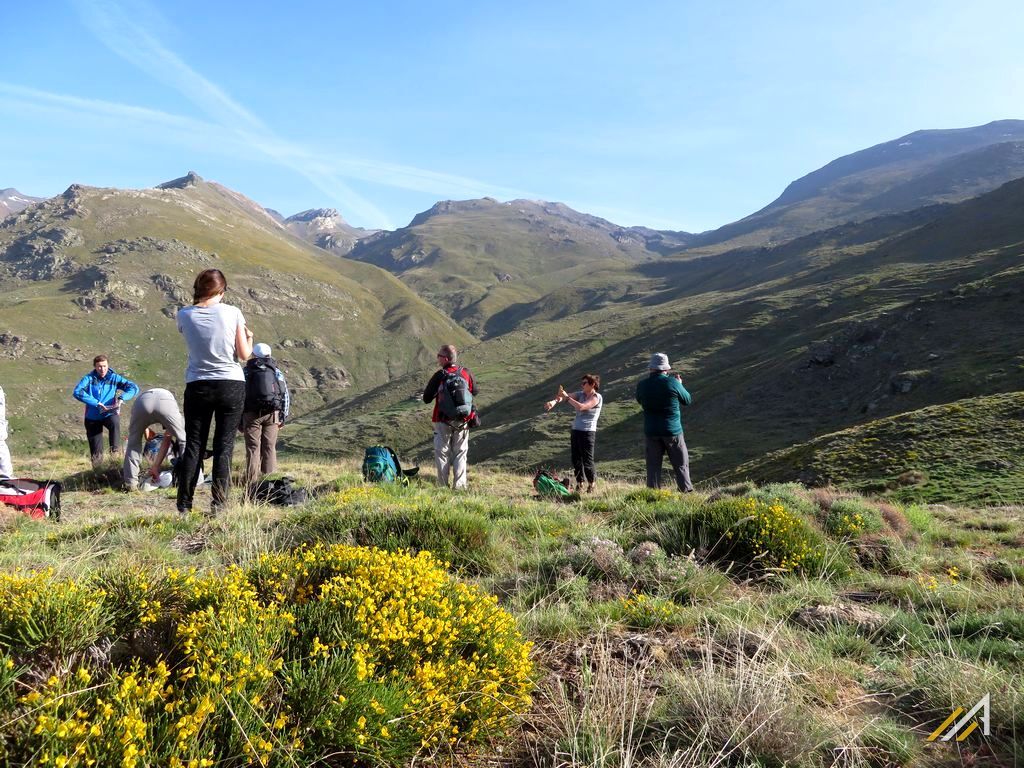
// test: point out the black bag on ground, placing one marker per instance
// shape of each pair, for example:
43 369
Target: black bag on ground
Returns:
281 491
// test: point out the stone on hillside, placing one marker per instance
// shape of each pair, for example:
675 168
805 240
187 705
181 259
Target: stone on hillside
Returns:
905 381
172 248
331 377
643 552
825 617
69 204
11 345
190 179
994 465
171 288
823 354
63 237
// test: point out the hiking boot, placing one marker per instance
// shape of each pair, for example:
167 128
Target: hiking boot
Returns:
184 511
590 487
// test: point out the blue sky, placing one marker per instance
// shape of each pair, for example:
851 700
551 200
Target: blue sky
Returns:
678 115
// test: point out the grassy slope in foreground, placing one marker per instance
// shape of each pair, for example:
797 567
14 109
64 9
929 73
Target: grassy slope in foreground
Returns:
969 450
646 642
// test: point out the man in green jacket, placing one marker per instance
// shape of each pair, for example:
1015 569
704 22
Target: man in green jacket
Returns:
661 396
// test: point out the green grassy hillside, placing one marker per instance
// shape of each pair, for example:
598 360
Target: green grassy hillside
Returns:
922 168
486 263
777 345
103 270
966 451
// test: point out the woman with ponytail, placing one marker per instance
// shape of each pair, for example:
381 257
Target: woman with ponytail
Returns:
217 339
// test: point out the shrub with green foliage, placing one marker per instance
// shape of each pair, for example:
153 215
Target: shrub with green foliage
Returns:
849 518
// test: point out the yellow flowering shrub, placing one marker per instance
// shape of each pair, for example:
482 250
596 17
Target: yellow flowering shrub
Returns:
33 615
644 612
357 653
763 534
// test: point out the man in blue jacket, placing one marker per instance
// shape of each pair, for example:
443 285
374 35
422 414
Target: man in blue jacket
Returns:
102 390
661 396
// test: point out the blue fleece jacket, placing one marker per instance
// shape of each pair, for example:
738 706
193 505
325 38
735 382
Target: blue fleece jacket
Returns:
92 390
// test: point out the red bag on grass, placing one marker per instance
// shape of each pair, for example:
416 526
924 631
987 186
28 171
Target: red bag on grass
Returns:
36 498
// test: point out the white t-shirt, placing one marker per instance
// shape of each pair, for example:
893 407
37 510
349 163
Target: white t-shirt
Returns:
210 337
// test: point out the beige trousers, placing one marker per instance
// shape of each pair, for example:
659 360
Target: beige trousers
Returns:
451 449
260 432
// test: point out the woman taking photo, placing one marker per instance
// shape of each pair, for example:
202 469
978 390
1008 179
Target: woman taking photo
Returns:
587 403
217 338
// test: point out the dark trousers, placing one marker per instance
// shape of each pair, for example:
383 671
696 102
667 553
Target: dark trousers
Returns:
206 401
582 452
94 431
655 447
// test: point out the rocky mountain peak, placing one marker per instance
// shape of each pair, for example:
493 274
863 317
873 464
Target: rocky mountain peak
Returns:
316 213
12 201
444 207
190 179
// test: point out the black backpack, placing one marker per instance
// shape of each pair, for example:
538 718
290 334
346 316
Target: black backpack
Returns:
263 391
281 491
454 400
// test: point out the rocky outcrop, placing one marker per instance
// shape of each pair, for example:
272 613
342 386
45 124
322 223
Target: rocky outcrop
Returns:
183 253
41 256
110 293
11 346
190 179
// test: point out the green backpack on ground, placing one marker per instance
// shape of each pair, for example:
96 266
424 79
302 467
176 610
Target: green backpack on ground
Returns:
548 485
381 465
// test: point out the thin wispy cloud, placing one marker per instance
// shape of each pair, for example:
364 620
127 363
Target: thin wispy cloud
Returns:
187 130
125 35
122 33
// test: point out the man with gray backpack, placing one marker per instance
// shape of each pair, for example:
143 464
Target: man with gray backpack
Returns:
452 390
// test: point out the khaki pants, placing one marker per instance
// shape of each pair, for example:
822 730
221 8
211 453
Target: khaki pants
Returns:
451 448
260 431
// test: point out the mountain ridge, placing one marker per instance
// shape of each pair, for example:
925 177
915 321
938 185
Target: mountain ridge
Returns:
12 201
100 269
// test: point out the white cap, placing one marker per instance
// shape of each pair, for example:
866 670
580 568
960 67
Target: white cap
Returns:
261 350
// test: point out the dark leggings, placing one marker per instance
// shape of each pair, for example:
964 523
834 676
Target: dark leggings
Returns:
582 452
94 431
219 399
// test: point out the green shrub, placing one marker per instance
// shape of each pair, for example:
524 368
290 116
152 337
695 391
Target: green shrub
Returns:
764 535
851 518
640 611
465 539
919 517
887 744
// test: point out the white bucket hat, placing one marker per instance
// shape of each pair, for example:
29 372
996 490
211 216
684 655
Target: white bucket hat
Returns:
659 362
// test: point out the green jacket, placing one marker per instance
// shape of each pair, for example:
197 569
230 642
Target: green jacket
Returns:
661 396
